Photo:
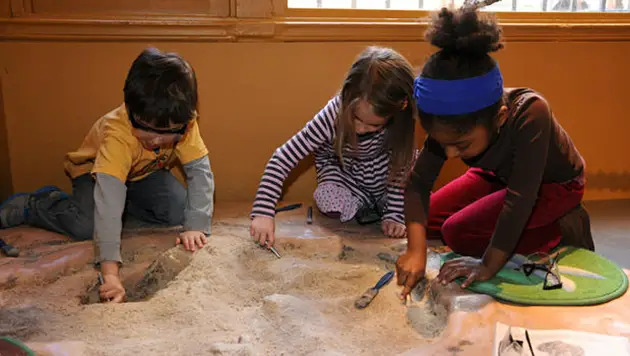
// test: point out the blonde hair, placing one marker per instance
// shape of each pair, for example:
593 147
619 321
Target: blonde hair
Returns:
384 79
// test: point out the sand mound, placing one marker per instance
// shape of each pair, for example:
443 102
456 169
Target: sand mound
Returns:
237 299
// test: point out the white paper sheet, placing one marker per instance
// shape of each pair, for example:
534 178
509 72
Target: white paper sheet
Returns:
559 343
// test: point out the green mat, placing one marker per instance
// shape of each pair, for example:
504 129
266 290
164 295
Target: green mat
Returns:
606 281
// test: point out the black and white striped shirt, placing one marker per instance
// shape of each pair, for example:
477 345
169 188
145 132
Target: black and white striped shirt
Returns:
365 169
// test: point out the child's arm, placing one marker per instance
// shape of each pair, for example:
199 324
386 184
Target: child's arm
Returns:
193 155
531 142
109 202
421 180
200 205
111 168
395 206
317 131
410 267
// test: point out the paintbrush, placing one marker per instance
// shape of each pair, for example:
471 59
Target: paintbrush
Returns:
272 249
366 298
289 207
9 250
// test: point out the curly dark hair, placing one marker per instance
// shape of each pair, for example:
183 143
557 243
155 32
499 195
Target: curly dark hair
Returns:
465 38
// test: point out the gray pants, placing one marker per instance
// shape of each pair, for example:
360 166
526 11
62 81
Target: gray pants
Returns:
157 199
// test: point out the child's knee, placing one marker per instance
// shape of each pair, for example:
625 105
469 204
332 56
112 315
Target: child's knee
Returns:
439 213
82 229
328 196
453 233
174 217
458 235
171 210
440 204
449 231
334 200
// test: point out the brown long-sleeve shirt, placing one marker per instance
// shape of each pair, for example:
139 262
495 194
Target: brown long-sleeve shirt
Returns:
530 149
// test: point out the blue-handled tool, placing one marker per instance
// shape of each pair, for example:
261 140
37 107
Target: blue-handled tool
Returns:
366 298
289 207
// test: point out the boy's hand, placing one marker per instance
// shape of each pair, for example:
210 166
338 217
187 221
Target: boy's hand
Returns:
112 291
192 240
393 229
263 229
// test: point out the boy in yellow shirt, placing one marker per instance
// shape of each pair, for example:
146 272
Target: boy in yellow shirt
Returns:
123 165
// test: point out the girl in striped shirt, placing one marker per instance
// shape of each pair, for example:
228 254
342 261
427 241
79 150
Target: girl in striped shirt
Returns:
363 143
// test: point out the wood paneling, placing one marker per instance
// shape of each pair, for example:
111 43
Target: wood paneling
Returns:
269 20
254 96
254 8
100 7
6 185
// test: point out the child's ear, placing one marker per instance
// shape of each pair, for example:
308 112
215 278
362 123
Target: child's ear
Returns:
502 115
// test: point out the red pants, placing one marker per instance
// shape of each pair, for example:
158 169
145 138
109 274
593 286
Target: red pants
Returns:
464 213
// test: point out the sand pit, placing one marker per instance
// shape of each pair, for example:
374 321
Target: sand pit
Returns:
233 298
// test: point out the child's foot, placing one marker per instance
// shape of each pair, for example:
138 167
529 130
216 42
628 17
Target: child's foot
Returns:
575 228
14 210
367 216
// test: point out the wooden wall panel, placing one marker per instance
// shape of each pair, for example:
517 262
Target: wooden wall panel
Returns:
255 95
254 8
5 8
6 185
101 7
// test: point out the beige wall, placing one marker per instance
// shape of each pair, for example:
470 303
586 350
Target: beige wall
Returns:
5 173
254 96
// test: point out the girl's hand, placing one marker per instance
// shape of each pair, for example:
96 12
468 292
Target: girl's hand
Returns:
393 229
191 240
471 268
410 269
262 229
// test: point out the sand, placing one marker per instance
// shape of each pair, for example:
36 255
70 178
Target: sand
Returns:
232 298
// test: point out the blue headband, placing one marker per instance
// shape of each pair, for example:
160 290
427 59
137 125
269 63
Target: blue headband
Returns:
456 97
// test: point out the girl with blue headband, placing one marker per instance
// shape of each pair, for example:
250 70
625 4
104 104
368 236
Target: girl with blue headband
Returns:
363 143
524 189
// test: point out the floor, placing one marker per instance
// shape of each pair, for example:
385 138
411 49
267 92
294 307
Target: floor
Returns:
610 223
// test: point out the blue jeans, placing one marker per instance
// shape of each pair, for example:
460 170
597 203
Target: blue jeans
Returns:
157 199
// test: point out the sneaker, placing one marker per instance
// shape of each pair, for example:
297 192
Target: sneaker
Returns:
575 228
367 216
14 210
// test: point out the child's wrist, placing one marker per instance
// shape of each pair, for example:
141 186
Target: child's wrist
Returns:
416 250
109 269
263 216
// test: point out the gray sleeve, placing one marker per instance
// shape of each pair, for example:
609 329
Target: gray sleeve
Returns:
109 202
200 206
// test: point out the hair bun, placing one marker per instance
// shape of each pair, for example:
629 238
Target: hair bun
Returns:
465 31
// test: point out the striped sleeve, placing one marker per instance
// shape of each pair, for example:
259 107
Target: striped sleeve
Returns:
319 130
395 206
